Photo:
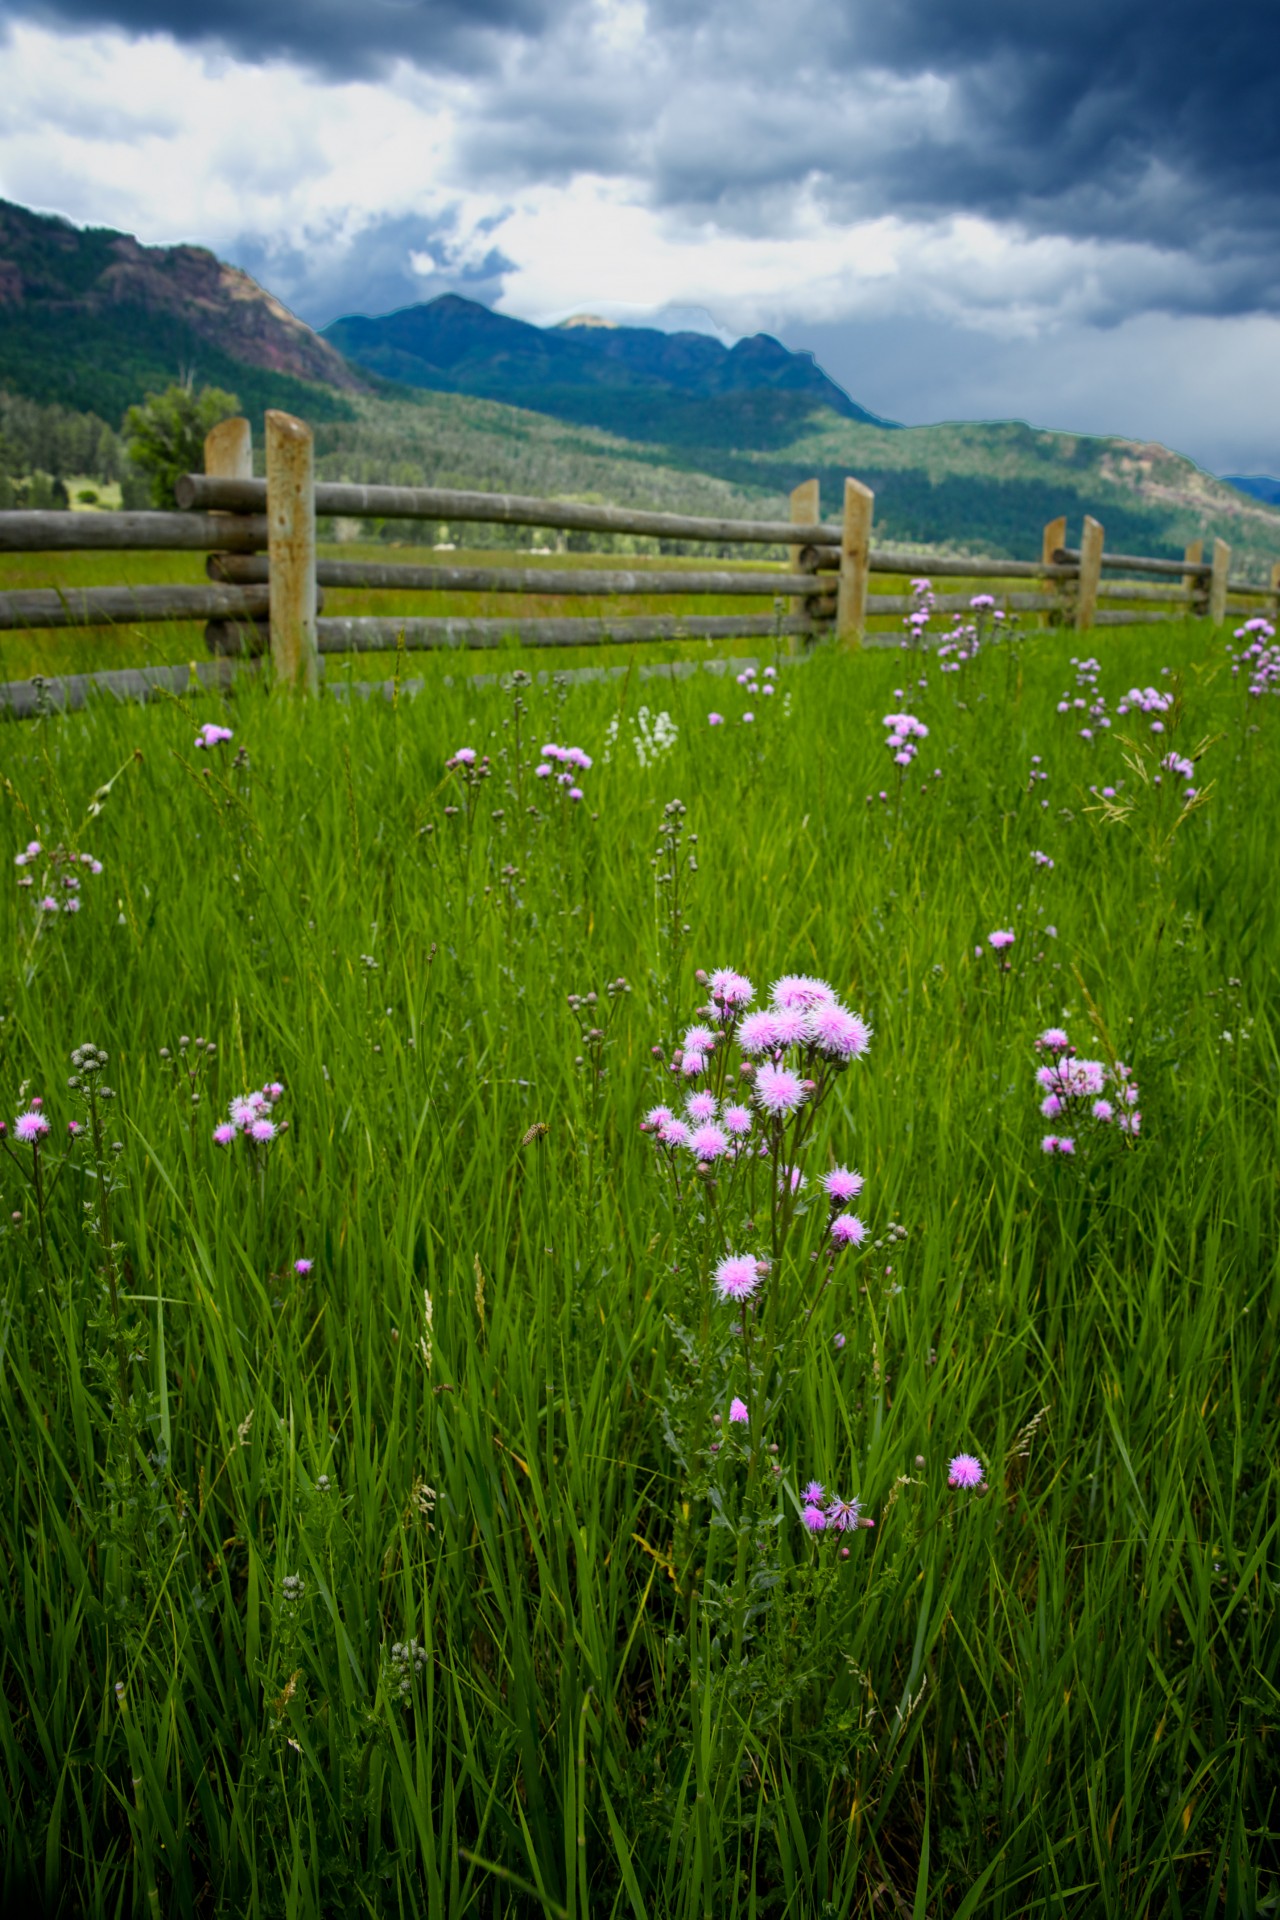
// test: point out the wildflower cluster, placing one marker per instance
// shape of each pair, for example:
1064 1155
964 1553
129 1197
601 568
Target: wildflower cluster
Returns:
1087 701
1086 1094
965 640
1259 659
824 1513
652 735
251 1118
916 622
1146 700
904 731
763 1109
408 1660
571 761
57 890
211 735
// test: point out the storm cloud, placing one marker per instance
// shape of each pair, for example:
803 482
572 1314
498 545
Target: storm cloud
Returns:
1005 183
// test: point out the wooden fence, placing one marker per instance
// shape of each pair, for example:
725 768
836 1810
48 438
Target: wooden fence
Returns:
265 582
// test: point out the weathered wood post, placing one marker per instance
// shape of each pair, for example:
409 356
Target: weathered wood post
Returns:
1218 582
855 563
1090 573
1193 583
291 550
806 510
1054 538
228 455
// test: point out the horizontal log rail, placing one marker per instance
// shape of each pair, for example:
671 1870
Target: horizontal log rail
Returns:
48 607
1136 563
37 531
377 635
341 499
596 582
1144 590
887 603
1115 617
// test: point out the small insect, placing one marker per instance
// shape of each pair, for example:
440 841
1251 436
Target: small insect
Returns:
537 1131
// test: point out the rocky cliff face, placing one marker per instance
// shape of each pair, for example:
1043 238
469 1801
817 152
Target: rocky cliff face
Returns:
45 262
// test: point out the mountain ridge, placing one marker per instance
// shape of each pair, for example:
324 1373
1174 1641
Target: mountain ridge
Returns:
684 388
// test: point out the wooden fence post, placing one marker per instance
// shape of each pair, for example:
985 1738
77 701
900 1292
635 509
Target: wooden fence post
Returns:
1090 573
806 511
1055 536
1193 583
855 563
291 550
228 455
1218 582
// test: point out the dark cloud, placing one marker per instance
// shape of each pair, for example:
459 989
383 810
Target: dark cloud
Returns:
1138 126
335 37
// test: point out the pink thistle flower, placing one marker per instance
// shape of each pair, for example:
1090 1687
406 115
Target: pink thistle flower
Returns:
790 1026
225 1134
730 989
847 1230
1066 1144
737 1276
1051 1106
715 719
813 1518
738 1412
771 673
758 1034
837 1033
843 1515
30 1128
71 906
674 1133
244 1111
273 1090
303 1267
657 1118
1130 1123
701 1106
965 1471
841 1184
1054 1040
543 770
50 905
692 1065
747 719
813 1493
698 1040
737 1121
1103 1110
1049 1078
709 1142
211 735
1002 937
579 759
575 793
1049 1144
73 1128
778 1090
262 1131
802 991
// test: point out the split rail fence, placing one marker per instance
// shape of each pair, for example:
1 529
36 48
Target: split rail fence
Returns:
266 582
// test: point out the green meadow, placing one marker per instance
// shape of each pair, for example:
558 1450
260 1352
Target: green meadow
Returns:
437 1576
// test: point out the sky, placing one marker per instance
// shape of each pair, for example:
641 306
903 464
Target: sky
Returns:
968 209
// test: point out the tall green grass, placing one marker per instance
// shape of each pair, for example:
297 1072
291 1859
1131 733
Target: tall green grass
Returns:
1059 1698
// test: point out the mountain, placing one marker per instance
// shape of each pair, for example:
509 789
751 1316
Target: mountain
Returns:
680 389
1260 485
91 319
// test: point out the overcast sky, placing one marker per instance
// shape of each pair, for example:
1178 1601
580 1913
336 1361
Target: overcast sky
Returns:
967 208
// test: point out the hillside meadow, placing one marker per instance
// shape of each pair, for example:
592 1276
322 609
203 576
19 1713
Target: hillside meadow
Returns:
703 1349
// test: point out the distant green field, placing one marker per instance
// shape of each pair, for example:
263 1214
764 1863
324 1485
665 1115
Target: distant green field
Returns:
381 1531
90 650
